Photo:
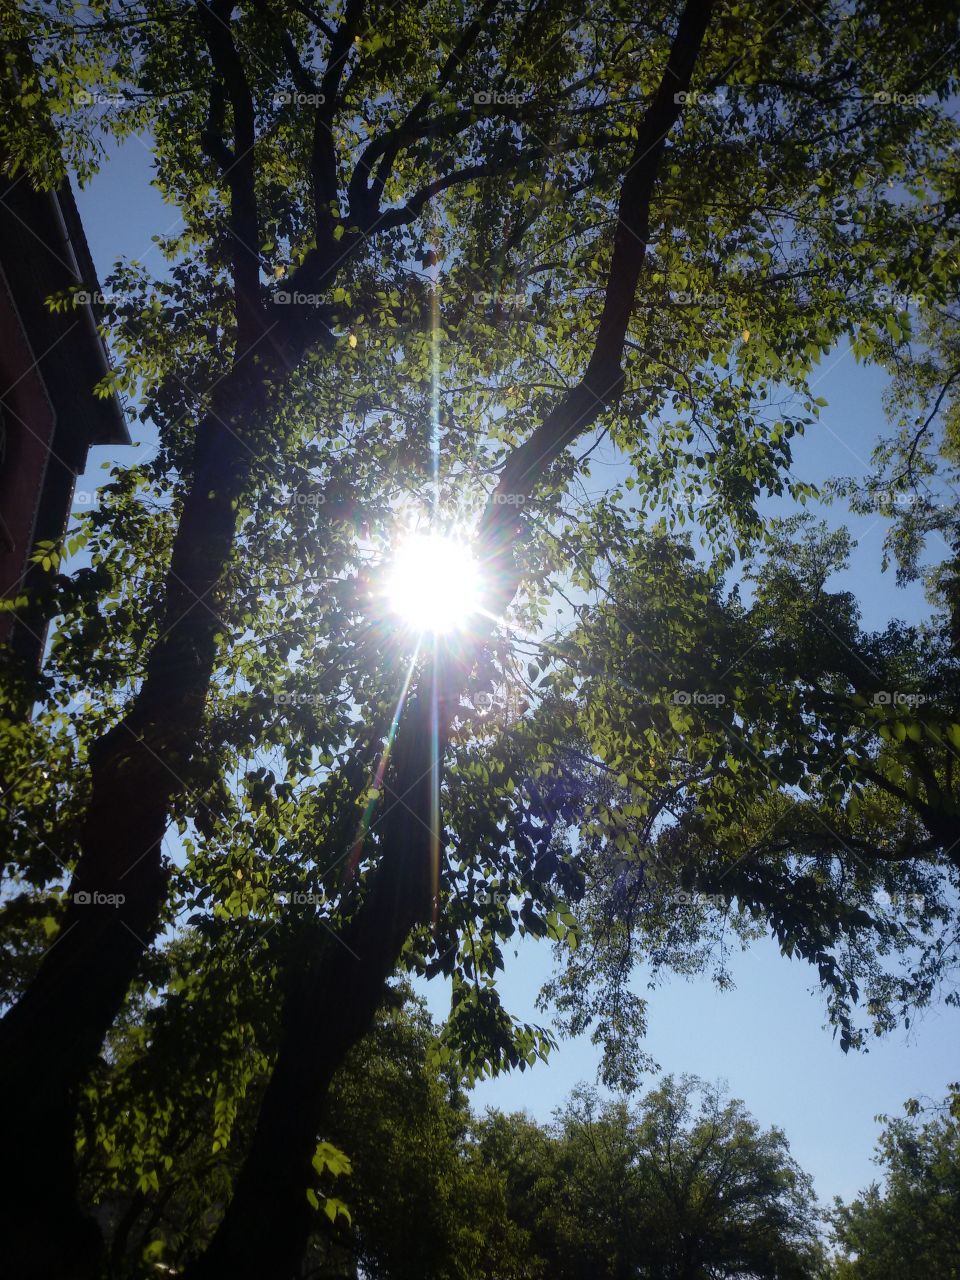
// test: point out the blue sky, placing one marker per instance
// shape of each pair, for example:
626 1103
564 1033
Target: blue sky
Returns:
765 1038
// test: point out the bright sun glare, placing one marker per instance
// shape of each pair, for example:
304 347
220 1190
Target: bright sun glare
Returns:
434 583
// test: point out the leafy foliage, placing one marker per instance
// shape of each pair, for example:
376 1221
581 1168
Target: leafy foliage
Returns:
684 1184
398 1189
398 228
761 765
908 1227
413 1184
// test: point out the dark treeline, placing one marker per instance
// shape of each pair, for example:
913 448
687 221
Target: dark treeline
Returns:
677 1183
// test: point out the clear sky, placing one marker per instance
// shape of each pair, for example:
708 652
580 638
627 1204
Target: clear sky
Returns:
765 1038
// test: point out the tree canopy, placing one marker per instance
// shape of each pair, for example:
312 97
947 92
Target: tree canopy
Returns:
682 1184
907 1227
679 1183
757 761
431 258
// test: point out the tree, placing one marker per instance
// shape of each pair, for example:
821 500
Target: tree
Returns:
761 766
412 1184
908 1227
399 1186
914 481
186 607
684 1186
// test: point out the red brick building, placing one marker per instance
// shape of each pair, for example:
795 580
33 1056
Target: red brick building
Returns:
49 365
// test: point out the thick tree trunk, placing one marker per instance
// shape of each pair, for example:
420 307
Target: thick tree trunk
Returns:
51 1037
329 1007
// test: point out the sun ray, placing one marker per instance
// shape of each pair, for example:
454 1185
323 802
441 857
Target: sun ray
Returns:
435 763
435 392
376 784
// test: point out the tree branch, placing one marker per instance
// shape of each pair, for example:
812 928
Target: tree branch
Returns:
315 17
366 199
323 157
236 165
602 381
485 169
329 1006
926 424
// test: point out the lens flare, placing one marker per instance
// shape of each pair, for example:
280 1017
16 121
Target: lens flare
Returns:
434 583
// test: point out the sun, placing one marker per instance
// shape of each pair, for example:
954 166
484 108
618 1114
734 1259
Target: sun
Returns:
433 583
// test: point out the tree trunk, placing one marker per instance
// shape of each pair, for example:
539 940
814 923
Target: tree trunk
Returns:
51 1037
328 1007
